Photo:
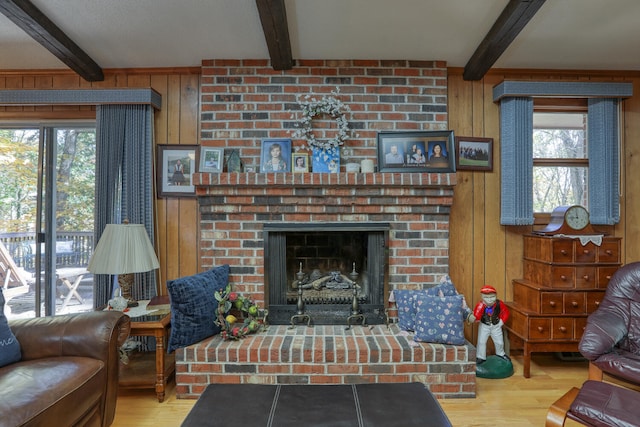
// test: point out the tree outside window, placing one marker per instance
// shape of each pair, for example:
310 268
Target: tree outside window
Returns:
560 160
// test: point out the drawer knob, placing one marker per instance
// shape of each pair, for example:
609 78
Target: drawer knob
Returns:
563 277
609 252
574 303
563 329
586 251
586 277
563 251
608 277
540 329
597 303
552 303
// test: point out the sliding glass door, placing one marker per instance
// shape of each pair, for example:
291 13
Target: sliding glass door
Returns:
47 193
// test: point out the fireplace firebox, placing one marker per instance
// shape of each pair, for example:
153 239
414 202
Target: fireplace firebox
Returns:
326 270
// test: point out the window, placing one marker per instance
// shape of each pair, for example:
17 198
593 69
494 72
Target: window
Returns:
560 160
603 108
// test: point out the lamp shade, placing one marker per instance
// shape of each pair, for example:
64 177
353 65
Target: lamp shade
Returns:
122 249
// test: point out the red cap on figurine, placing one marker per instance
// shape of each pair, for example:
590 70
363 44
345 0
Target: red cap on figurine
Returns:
488 289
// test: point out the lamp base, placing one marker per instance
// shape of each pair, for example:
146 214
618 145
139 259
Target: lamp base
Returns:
125 281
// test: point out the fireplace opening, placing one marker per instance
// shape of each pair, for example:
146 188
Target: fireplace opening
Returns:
331 263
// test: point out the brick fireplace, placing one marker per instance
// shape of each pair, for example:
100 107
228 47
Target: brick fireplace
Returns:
246 101
413 209
235 207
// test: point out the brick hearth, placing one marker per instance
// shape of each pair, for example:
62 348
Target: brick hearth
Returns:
326 355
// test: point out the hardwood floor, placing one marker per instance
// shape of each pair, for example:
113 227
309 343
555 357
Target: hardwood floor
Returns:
511 402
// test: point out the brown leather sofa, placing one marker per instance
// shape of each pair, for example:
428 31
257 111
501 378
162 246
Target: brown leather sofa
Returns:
68 375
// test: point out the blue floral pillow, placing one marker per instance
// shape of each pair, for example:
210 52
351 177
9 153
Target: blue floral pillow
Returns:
193 306
9 345
405 302
439 319
444 288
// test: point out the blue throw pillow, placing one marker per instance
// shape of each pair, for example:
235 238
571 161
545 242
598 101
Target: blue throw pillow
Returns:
445 287
405 302
9 345
193 306
440 319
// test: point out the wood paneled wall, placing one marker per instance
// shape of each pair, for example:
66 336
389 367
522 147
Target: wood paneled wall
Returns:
481 250
484 252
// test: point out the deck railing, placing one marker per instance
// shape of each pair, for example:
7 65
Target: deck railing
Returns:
73 248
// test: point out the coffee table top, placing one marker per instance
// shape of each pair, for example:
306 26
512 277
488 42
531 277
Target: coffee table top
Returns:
293 405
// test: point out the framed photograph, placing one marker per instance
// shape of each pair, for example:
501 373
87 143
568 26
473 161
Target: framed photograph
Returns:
474 153
325 161
211 159
275 155
300 162
421 151
176 166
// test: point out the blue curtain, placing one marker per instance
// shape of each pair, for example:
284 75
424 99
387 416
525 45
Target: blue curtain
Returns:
516 159
124 182
604 161
516 148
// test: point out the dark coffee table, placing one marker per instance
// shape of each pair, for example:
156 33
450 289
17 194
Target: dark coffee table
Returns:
297 405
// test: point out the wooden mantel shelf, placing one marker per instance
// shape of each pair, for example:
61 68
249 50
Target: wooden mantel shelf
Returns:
440 180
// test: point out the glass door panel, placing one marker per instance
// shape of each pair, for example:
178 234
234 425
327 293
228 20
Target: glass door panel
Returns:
47 179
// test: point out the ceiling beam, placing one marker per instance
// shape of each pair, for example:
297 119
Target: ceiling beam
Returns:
273 16
31 20
514 17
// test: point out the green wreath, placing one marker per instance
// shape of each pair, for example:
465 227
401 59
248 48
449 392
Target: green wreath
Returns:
248 317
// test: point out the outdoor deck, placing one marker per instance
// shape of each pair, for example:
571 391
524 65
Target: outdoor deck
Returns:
23 306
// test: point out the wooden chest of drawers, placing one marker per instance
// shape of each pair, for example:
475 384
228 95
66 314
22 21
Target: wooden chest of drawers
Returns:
538 299
564 281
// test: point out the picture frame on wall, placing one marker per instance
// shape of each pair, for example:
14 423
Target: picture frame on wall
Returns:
416 151
300 162
211 159
176 165
475 154
275 155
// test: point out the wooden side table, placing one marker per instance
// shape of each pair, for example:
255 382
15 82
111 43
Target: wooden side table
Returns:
152 368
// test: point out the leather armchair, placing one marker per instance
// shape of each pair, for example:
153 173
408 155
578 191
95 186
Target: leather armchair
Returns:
611 343
68 373
611 340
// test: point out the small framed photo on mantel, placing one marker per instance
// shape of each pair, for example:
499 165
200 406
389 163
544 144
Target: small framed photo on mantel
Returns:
421 151
275 155
211 159
300 162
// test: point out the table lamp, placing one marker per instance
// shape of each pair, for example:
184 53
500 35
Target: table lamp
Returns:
124 249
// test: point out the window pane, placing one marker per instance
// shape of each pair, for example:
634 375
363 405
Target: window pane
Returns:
74 211
559 135
558 186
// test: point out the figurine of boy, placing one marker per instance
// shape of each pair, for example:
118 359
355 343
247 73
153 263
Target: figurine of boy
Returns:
492 314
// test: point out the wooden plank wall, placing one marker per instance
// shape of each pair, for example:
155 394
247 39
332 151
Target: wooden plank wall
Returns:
481 250
176 123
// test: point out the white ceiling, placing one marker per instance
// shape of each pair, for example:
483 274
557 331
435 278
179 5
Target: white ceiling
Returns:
564 34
